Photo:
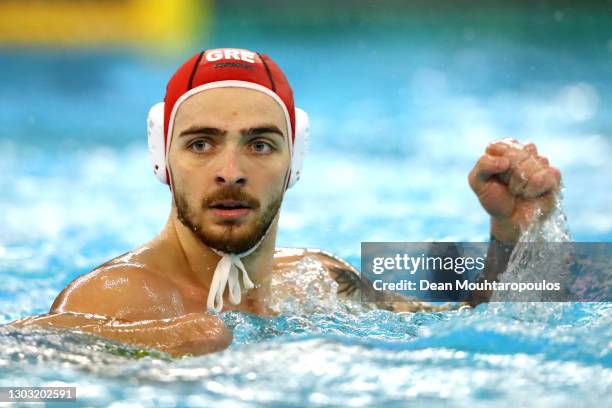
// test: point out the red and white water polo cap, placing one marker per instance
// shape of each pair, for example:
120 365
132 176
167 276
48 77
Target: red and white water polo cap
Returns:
218 68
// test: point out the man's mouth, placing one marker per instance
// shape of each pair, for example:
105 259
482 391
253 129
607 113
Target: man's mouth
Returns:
230 209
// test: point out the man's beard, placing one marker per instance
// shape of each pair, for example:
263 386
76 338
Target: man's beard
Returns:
228 241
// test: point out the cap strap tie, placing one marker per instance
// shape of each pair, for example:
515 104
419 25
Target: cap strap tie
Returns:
227 274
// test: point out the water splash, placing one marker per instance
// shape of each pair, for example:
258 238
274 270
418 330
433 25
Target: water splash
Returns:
538 256
552 228
303 288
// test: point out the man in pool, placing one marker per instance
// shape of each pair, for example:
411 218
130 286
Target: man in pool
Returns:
229 142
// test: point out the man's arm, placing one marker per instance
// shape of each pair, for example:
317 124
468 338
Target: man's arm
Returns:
194 333
498 255
353 286
131 305
514 184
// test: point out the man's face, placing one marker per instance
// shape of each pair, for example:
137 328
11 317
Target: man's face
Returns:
228 162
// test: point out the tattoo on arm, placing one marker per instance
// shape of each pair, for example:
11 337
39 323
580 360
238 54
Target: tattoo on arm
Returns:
348 281
353 285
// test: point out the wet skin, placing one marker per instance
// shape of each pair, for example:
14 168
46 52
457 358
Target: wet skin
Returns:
131 300
232 139
155 296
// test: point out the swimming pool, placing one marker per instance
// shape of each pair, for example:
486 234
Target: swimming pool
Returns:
396 128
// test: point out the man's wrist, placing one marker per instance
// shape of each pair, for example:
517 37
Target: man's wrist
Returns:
506 247
504 231
498 256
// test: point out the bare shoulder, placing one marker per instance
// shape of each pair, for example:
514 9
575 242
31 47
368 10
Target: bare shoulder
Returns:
346 275
120 288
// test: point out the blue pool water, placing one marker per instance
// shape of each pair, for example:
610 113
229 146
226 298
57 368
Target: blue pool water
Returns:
396 128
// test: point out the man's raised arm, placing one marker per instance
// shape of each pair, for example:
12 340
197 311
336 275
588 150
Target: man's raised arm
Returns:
514 184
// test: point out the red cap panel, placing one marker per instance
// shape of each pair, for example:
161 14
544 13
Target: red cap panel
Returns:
228 64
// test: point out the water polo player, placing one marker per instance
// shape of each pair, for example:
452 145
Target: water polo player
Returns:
229 142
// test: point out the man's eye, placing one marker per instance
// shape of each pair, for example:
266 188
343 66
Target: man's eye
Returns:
200 146
262 147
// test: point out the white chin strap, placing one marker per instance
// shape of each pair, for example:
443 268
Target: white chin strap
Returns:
227 274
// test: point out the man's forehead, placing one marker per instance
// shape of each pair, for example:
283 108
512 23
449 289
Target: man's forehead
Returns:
230 109
221 107
232 100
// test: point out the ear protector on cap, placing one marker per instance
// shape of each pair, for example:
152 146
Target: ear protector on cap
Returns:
157 144
300 145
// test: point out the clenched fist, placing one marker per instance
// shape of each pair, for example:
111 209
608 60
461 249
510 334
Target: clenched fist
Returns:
512 181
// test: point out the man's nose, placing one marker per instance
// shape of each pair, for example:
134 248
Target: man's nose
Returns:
229 170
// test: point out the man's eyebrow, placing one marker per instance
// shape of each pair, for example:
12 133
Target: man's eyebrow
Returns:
202 130
260 130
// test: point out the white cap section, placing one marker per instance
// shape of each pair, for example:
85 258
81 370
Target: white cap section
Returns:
156 142
300 144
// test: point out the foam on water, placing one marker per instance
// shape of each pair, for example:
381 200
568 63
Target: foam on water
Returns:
498 353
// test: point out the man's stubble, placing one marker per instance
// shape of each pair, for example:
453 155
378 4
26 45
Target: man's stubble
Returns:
228 241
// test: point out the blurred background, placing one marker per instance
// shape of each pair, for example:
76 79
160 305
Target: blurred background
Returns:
403 98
